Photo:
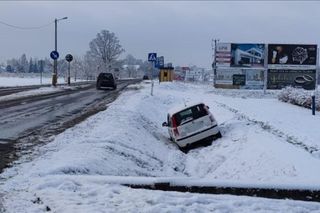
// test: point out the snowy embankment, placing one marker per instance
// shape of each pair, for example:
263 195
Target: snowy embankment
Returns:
258 147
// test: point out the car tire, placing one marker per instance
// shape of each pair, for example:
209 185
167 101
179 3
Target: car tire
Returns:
185 149
114 87
98 85
218 135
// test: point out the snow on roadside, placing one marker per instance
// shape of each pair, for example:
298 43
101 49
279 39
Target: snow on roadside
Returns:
25 81
39 91
35 92
127 140
13 81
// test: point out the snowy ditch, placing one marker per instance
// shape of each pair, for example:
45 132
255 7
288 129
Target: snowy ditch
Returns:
128 140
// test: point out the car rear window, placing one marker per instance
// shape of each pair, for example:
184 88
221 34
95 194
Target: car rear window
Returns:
107 76
190 114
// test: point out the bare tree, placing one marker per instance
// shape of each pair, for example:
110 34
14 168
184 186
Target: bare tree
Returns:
105 48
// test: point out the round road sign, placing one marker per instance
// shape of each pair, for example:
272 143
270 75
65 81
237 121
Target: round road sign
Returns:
54 55
69 58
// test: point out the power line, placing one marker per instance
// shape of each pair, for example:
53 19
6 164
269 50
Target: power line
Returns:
25 28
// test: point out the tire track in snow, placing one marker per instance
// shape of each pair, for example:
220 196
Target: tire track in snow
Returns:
273 130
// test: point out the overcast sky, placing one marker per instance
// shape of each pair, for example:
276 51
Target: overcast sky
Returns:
180 31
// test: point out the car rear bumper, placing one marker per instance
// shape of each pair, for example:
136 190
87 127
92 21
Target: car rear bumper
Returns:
190 139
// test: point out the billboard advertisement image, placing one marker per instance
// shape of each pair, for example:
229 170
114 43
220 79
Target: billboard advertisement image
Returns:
291 54
280 78
247 55
245 78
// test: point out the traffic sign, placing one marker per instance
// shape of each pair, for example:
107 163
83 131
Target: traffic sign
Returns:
152 57
69 58
54 55
159 62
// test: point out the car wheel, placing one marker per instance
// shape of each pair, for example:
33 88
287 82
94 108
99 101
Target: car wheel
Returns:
185 149
218 135
114 87
98 86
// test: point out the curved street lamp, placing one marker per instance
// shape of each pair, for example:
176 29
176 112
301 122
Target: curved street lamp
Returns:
55 62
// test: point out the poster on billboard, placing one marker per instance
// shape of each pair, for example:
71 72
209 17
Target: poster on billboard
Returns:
280 78
223 54
254 78
247 55
292 56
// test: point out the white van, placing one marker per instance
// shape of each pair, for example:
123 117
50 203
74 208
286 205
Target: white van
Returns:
190 124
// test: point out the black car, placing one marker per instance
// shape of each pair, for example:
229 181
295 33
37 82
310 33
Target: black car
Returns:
145 77
106 80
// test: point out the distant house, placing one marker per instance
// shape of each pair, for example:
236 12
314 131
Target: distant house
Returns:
247 57
2 68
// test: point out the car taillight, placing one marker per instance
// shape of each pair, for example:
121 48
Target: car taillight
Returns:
211 118
208 113
174 125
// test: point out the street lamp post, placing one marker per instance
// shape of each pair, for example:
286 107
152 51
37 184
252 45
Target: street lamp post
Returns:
55 62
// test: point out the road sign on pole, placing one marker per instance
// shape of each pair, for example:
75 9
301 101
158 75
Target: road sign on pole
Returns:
54 55
69 58
152 57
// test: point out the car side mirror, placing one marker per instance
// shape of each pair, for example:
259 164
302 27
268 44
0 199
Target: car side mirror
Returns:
208 107
164 124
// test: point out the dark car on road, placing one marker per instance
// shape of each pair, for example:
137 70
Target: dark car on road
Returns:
145 77
106 80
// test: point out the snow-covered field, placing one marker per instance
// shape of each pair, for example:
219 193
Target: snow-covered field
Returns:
265 142
7 81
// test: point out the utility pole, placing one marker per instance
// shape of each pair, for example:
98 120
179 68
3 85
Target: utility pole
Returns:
214 60
54 75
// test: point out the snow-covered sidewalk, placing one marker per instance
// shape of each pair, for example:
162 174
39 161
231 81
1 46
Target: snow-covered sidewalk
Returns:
71 173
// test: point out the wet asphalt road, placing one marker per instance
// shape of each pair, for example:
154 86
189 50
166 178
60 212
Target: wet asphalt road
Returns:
31 122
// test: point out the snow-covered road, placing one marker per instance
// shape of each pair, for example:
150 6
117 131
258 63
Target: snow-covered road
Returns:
263 142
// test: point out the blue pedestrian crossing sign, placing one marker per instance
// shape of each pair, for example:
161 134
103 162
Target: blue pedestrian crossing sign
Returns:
152 57
54 55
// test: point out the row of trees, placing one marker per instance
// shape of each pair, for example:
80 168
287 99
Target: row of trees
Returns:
102 56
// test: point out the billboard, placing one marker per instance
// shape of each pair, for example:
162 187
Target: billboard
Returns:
247 55
280 78
292 56
223 54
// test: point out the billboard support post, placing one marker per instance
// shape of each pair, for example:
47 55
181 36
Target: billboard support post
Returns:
265 69
313 104
215 62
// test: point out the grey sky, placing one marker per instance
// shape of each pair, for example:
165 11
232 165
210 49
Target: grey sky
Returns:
180 31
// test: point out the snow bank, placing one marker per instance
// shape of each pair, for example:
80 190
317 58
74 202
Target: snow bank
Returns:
299 97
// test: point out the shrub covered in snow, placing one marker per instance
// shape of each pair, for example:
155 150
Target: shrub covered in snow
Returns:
299 97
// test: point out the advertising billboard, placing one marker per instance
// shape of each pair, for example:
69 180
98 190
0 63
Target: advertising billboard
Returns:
280 78
247 55
223 54
292 56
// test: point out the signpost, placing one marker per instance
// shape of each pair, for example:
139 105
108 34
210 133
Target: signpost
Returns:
69 58
152 57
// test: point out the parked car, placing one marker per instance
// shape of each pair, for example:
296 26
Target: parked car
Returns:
190 125
106 80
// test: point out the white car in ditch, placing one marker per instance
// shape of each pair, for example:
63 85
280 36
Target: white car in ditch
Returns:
190 125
